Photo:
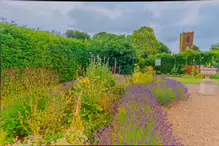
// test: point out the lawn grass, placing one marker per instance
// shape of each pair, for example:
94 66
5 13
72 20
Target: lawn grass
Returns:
190 80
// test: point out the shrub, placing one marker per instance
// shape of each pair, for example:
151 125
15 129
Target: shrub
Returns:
139 121
3 136
143 77
99 92
29 107
30 100
176 63
215 76
23 47
168 91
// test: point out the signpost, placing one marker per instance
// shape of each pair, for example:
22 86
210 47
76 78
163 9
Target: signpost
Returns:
158 62
133 64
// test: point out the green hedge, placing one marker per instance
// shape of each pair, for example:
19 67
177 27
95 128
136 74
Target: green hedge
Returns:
23 47
117 48
178 61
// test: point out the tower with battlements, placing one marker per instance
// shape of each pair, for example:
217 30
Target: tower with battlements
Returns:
186 41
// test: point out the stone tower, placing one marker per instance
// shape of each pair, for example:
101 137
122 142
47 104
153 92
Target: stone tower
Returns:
186 41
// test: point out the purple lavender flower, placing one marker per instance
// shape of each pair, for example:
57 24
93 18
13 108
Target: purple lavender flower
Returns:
144 122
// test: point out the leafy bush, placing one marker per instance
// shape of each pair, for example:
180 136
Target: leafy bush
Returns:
139 120
215 76
29 106
99 92
168 91
174 64
114 47
30 100
23 47
143 77
3 136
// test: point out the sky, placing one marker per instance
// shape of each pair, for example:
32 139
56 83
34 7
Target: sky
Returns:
168 19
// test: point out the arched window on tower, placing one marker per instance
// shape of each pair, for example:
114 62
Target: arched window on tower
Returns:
188 39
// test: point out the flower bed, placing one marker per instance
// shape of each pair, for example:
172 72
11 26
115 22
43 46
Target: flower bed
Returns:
168 91
189 69
140 119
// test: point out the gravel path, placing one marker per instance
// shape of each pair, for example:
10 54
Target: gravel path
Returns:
196 121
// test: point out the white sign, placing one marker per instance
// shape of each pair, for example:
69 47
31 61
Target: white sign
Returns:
158 62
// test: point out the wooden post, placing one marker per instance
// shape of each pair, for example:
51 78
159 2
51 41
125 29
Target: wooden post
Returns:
119 69
115 65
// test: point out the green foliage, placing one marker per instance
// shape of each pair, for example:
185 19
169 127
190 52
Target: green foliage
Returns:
215 76
128 128
168 91
75 137
77 35
99 92
143 77
174 64
196 48
167 62
23 47
113 47
163 48
3 136
28 105
145 42
103 35
215 47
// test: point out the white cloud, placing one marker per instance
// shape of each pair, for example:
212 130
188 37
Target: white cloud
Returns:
168 19
39 14
192 14
111 13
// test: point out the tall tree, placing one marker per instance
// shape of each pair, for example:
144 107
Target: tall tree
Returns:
117 48
163 48
215 48
196 48
103 35
77 35
145 42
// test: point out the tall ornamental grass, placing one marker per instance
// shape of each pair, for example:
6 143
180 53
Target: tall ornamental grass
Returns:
28 106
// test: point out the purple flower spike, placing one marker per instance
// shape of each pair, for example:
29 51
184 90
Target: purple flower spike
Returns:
145 122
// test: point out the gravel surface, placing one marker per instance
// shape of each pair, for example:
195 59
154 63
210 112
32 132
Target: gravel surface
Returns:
196 121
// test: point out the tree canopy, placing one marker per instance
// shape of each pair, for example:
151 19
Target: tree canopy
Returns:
196 48
215 48
76 34
21 46
163 48
145 42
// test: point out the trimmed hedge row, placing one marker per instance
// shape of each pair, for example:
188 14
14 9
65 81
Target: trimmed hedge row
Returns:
23 47
175 63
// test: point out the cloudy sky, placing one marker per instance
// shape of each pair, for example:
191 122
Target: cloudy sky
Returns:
168 19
